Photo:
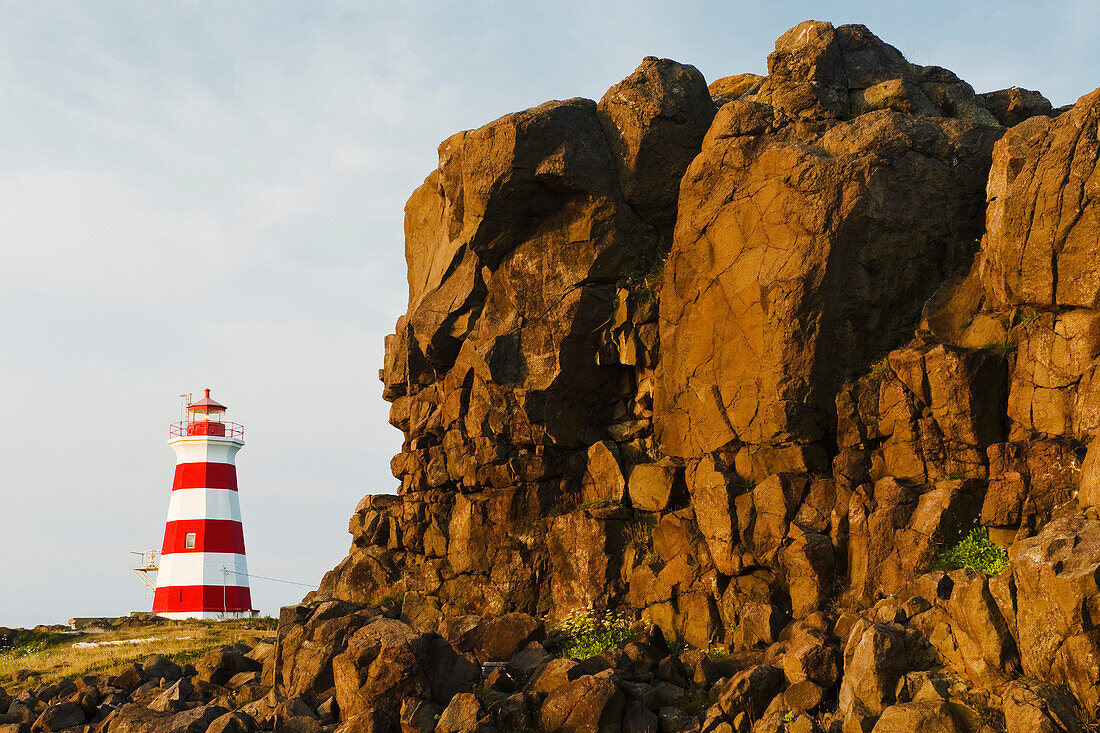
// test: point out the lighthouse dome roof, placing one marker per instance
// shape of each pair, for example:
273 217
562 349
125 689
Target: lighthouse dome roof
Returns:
206 404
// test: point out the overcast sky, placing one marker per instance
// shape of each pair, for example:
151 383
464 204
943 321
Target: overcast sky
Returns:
210 194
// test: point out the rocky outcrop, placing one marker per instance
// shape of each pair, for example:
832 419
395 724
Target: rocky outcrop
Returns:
738 363
788 275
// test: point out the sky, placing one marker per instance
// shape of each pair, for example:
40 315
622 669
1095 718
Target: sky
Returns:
210 194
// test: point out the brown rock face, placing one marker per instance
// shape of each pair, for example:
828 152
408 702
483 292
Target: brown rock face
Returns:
925 413
589 703
1048 166
518 356
724 371
1014 105
1056 577
655 120
821 72
803 251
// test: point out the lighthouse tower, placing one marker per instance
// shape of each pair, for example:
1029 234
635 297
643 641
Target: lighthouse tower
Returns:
202 568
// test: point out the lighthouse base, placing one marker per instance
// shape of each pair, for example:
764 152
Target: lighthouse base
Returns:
180 615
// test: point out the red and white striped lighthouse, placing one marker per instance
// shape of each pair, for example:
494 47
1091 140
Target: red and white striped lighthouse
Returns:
203 573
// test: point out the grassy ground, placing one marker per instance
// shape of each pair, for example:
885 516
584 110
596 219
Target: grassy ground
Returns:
54 656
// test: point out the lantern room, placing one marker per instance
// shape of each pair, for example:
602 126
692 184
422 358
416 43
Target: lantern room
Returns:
207 417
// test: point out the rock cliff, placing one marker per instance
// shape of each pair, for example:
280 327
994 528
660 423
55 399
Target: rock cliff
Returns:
740 362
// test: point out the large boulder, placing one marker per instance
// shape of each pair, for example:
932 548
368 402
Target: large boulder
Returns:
874 659
919 717
1042 222
588 703
1057 579
387 662
803 252
309 637
655 120
925 412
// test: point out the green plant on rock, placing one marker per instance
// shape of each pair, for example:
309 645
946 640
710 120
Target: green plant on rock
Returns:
568 502
639 533
596 504
718 652
695 701
485 694
586 633
652 558
974 551
881 367
33 642
789 716
742 485
1026 316
388 599
645 287
1001 349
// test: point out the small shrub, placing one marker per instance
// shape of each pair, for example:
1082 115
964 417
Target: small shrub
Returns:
639 533
1001 349
597 504
975 551
881 367
789 716
586 633
485 694
566 503
389 599
33 642
695 701
645 287
677 647
652 558
1026 316
718 652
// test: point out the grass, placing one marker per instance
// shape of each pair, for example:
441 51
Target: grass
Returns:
645 287
389 599
586 633
718 652
975 551
566 503
1026 316
695 701
880 367
597 504
639 533
52 657
1001 349
652 558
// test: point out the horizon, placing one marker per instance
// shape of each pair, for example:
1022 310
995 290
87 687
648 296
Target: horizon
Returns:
208 196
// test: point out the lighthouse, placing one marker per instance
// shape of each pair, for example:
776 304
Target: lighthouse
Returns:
203 573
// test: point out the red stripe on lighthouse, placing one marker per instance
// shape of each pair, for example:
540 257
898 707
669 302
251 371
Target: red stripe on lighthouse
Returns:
205 476
211 535
196 598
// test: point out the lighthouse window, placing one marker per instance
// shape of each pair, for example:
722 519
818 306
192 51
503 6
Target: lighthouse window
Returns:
189 541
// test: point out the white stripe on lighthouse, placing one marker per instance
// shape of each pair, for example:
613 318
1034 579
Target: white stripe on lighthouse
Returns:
202 568
206 449
204 504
